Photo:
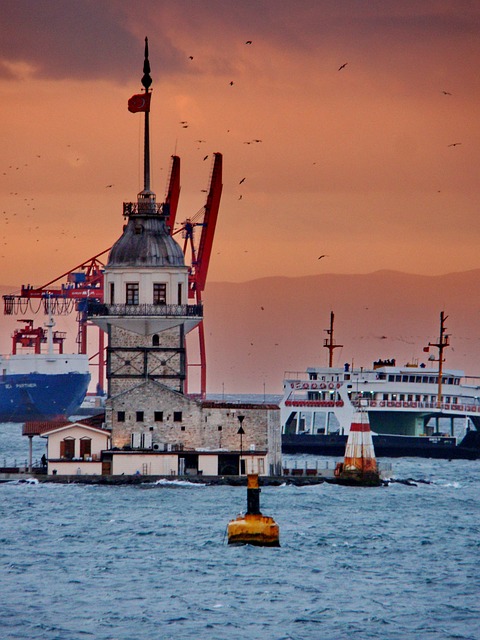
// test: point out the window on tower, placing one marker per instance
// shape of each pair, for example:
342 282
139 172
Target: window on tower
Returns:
132 292
159 293
112 293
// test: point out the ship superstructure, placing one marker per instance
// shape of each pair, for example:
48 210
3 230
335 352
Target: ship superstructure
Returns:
409 406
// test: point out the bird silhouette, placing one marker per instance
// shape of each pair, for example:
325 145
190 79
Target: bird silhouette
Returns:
454 144
342 66
248 42
108 186
324 255
446 93
231 83
242 180
205 157
190 57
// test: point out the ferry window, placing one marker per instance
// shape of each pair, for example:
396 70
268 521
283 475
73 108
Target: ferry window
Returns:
159 293
132 289
85 447
177 416
425 379
155 341
447 399
411 378
382 376
455 400
404 378
402 397
385 396
158 416
139 416
120 416
398 378
313 376
347 376
67 448
391 378
409 397
418 398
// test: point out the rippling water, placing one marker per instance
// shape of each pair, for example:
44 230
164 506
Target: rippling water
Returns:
151 561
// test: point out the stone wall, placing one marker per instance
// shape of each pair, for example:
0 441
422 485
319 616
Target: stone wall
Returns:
174 419
166 360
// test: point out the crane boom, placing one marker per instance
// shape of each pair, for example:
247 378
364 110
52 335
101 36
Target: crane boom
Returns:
210 220
173 192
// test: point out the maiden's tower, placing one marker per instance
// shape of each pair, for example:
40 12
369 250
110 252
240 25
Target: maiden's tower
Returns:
156 427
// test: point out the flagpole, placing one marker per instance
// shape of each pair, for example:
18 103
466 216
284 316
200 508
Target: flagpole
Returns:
146 81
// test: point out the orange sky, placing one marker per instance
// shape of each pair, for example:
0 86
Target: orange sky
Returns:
355 164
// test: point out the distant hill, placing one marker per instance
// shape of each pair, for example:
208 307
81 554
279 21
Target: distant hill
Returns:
257 330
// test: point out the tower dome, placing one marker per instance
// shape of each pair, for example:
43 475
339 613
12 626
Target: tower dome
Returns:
146 242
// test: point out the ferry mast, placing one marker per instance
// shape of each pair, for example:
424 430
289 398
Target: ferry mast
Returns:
443 342
329 343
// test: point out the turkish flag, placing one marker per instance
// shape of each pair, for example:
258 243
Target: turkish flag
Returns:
139 102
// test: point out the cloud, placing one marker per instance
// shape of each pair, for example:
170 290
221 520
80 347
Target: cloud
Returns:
96 39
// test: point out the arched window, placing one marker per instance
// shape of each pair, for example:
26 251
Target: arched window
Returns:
155 341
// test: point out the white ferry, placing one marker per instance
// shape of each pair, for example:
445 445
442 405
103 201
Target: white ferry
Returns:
412 410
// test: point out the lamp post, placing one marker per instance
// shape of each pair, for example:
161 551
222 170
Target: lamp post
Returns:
241 433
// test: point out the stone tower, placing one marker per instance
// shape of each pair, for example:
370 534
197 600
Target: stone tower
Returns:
145 314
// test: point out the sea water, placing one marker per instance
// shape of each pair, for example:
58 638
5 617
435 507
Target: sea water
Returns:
151 561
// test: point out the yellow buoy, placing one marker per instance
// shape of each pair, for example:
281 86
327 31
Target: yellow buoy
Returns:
253 527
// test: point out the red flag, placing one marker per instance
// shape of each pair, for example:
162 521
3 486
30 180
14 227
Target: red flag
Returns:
139 102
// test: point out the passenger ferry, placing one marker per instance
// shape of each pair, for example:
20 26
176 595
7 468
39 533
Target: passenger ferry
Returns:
412 410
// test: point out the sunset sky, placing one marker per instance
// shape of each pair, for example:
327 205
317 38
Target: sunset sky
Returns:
356 163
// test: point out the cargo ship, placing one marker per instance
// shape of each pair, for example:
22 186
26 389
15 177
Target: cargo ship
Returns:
413 410
38 381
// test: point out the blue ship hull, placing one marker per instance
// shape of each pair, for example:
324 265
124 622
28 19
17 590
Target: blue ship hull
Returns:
37 396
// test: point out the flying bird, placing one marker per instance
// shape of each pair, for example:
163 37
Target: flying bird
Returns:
324 255
190 57
454 144
342 66
446 93
248 42
205 157
231 83
108 186
242 180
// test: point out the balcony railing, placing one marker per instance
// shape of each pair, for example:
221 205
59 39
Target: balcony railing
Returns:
164 310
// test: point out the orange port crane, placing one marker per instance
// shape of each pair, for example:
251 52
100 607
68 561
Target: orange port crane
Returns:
73 289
